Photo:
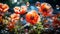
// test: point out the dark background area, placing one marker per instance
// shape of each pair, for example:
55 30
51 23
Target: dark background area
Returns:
52 2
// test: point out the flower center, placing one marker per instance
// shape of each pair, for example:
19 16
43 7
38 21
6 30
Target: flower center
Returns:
45 10
32 17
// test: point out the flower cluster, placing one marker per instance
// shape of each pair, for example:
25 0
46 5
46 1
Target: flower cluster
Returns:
29 20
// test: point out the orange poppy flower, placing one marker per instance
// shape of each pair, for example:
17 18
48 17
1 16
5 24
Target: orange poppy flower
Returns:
14 16
17 10
46 9
32 17
23 9
5 7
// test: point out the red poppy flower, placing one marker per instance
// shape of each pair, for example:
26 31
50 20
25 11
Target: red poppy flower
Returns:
5 7
55 20
46 9
32 17
11 25
1 6
56 23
